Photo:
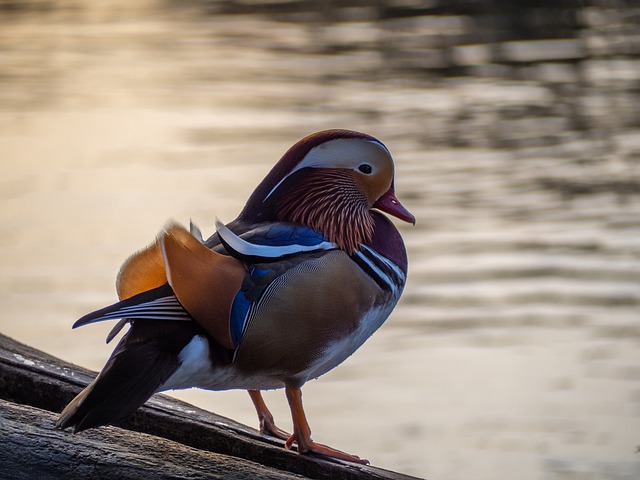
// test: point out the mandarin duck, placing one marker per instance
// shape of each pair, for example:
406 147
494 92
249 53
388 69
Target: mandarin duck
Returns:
282 294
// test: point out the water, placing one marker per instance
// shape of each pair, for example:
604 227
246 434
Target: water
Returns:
515 347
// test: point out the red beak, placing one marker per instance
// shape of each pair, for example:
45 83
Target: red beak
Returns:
390 204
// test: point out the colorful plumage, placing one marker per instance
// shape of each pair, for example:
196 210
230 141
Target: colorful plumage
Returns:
283 294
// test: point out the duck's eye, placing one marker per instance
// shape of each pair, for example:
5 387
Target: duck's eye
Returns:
365 168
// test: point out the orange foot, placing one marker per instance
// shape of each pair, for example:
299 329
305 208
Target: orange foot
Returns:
302 431
267 424
269 427
308 445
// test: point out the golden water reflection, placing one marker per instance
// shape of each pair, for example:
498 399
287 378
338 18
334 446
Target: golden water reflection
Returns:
515 348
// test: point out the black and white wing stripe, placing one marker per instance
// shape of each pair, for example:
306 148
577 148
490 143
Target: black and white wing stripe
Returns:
256 252
157 304
384 272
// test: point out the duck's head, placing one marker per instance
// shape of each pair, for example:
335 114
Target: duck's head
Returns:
330 181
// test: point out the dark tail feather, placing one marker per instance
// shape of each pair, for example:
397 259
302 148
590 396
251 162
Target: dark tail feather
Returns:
157 304
141 363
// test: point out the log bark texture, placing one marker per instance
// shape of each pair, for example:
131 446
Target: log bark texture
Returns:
33 448
165 438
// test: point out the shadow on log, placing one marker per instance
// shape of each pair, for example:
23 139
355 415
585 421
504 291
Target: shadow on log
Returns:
194 443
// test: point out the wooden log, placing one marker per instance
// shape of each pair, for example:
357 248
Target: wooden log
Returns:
29 377
33 448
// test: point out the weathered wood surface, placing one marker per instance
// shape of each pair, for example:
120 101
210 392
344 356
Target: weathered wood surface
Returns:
33 448
32 378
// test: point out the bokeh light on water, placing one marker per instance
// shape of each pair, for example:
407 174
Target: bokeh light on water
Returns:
516 136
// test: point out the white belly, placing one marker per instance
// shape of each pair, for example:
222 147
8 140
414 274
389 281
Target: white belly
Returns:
197 370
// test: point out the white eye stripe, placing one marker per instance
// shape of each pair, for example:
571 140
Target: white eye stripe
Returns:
337 153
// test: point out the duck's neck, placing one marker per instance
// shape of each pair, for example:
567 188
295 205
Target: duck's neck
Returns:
330 202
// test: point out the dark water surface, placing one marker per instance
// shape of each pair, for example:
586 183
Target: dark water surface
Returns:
515 347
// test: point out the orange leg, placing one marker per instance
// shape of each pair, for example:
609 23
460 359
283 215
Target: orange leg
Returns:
267 425
302 432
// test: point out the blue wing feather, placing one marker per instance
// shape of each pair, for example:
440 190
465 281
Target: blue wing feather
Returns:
272 241
239 316
283 234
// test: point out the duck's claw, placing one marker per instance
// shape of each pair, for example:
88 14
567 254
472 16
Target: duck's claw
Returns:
267 424
302 433
308 445
269 427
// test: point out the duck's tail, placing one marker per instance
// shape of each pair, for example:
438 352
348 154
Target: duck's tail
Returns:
140 365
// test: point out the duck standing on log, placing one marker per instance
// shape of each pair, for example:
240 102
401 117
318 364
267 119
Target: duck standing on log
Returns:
282 294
